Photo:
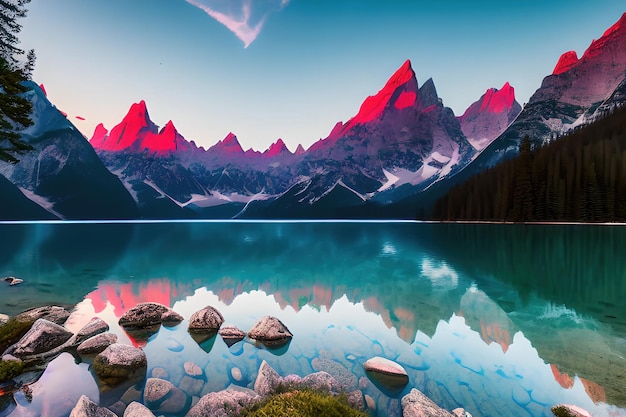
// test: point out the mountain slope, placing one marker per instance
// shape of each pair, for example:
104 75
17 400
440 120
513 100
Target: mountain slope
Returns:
62 173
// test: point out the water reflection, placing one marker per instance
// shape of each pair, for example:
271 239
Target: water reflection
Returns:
488 318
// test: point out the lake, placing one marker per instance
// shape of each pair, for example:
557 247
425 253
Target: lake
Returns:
503 320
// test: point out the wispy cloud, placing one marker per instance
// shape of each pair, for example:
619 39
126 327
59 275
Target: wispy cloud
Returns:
245 18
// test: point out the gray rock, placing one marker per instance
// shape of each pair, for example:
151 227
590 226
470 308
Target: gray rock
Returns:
171 318
143 315
460 412
232 335
136 409
10 358
3 319
416 404
356 400
271 332
191 386
96 344
87 408
159 372
208 320
42 337
223 403
387 373
55 314
163 397
322 381
119 363
193 370
94 327
267 380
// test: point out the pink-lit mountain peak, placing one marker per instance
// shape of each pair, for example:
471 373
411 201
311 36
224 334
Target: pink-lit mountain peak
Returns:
498 101
373 106
229 144
276 149
566 61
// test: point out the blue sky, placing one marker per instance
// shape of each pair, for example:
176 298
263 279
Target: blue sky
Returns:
300 66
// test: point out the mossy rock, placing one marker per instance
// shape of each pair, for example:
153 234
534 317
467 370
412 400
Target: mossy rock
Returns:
302 403
10 369
13 330
560 411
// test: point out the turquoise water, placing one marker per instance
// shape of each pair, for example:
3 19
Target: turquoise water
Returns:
503 320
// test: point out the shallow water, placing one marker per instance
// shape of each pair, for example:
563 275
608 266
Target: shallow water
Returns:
502 320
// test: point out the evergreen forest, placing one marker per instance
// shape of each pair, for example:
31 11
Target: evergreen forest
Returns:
579 177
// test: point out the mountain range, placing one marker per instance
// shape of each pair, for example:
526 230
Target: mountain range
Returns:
400 150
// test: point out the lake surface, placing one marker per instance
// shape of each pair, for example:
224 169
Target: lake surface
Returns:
503 320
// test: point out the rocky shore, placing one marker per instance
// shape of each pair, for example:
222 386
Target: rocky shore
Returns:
32 339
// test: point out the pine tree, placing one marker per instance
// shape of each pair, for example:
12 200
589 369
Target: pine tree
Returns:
15 110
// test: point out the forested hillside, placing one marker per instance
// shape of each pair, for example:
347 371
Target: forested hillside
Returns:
577 177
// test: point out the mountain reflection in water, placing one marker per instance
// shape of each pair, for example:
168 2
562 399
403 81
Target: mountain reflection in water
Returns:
438 299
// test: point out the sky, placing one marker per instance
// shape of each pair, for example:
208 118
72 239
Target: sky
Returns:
290 69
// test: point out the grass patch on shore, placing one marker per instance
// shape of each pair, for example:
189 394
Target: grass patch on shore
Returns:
302 403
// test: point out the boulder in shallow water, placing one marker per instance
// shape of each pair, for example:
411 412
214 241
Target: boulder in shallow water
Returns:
55 314
143 315
42 337
87 408
207 321
136 409
119 363
271 332
94 327
267 380
163 397
96 344
386 374
416 404
223 403
171 318
232 335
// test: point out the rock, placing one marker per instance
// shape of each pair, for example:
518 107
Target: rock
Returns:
271 332
94 327
371 402
13 280
460 412
119 363
3 319
267 380
87 408
386 374
136 409
355 399
191 386
159 372
193 370
206 321
96 344
322 381
236 374
231 335
416 404
57 315
171 318
10 358
143 315
117 407
42 337
573 410
223 403
163 397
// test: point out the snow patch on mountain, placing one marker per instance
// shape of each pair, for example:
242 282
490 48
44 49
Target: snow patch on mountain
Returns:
42 201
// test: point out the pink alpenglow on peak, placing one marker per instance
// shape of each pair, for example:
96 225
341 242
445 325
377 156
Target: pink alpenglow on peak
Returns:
135 124
299 150
99 136
276 149
43 89
498 101
229 144
566 61
163 142
373 106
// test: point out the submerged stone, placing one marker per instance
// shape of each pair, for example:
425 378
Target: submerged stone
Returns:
119 363
386 374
